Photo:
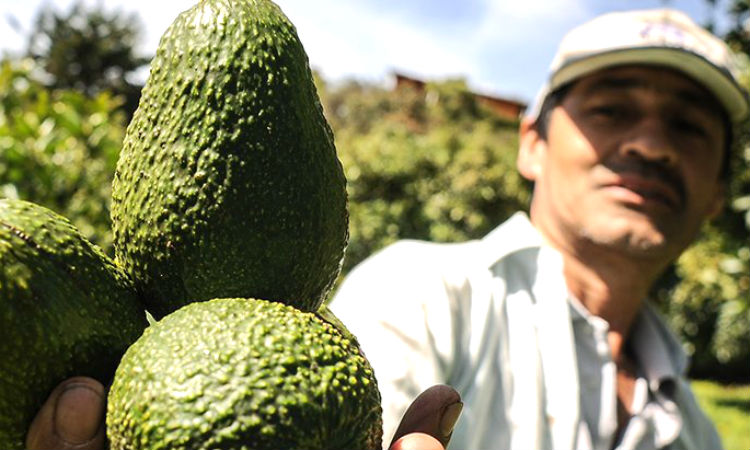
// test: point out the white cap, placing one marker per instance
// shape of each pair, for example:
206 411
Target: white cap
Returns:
662 37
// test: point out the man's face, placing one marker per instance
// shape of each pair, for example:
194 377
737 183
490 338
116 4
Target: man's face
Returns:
632 161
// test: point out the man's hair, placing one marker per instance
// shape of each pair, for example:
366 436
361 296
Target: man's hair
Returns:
556 97
551 101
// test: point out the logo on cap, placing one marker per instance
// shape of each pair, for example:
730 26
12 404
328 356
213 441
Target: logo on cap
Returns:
663 32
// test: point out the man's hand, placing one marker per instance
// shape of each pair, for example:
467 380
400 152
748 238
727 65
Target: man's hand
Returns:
71 418
429 421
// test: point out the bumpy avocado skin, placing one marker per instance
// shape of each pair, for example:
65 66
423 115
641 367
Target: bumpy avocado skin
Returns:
65 310
228 184
243 374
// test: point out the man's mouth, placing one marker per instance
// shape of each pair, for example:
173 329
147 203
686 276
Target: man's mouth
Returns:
641 190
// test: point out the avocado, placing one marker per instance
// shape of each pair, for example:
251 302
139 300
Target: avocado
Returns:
66 310
243 374
228 184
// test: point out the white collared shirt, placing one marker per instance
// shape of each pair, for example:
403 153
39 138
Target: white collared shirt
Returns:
493 318
656 420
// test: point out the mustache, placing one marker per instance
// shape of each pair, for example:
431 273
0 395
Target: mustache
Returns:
651 170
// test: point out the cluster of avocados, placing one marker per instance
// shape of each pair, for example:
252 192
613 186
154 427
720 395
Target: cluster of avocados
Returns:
229 215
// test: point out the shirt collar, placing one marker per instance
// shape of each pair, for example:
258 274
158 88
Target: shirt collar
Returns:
658 353
496 244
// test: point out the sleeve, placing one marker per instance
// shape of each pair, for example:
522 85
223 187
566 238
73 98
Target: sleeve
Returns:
398 307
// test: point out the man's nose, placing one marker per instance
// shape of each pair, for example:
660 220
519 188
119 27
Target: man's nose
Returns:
649 139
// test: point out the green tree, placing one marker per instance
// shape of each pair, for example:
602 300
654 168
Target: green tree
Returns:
430 164
738 35
89 50
58 148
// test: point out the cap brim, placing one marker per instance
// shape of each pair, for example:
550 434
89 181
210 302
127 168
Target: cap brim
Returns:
720 84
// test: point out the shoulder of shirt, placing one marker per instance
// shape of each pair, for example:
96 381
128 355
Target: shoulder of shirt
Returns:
515 234
417 259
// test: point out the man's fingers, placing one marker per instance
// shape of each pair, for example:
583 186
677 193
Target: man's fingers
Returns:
434 412
71 418
417 441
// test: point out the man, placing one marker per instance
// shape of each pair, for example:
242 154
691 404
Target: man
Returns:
542 326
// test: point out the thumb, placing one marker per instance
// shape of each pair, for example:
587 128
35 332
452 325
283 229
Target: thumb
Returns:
434 413
71 418
417 441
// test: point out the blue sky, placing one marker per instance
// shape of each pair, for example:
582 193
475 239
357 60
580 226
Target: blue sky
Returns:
500 47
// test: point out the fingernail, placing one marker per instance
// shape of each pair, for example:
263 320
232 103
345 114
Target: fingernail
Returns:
450 417
79 414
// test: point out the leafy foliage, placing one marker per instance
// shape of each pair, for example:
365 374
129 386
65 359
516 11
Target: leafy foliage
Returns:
89 50
430 164
709 306
58 148
738 37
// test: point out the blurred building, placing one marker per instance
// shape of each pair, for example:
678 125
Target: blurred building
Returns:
503 107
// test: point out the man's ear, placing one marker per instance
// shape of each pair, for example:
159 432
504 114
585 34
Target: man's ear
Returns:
530 151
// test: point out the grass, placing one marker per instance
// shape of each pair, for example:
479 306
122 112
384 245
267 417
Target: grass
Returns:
729 407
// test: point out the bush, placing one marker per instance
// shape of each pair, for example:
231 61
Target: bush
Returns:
431 165
58 148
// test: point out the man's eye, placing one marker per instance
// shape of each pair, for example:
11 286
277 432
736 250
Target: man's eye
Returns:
608 111
689 126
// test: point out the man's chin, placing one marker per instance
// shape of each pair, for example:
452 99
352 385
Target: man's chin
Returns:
636 235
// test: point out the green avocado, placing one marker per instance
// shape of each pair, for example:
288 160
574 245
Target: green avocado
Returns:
65 310
228 184
243 374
